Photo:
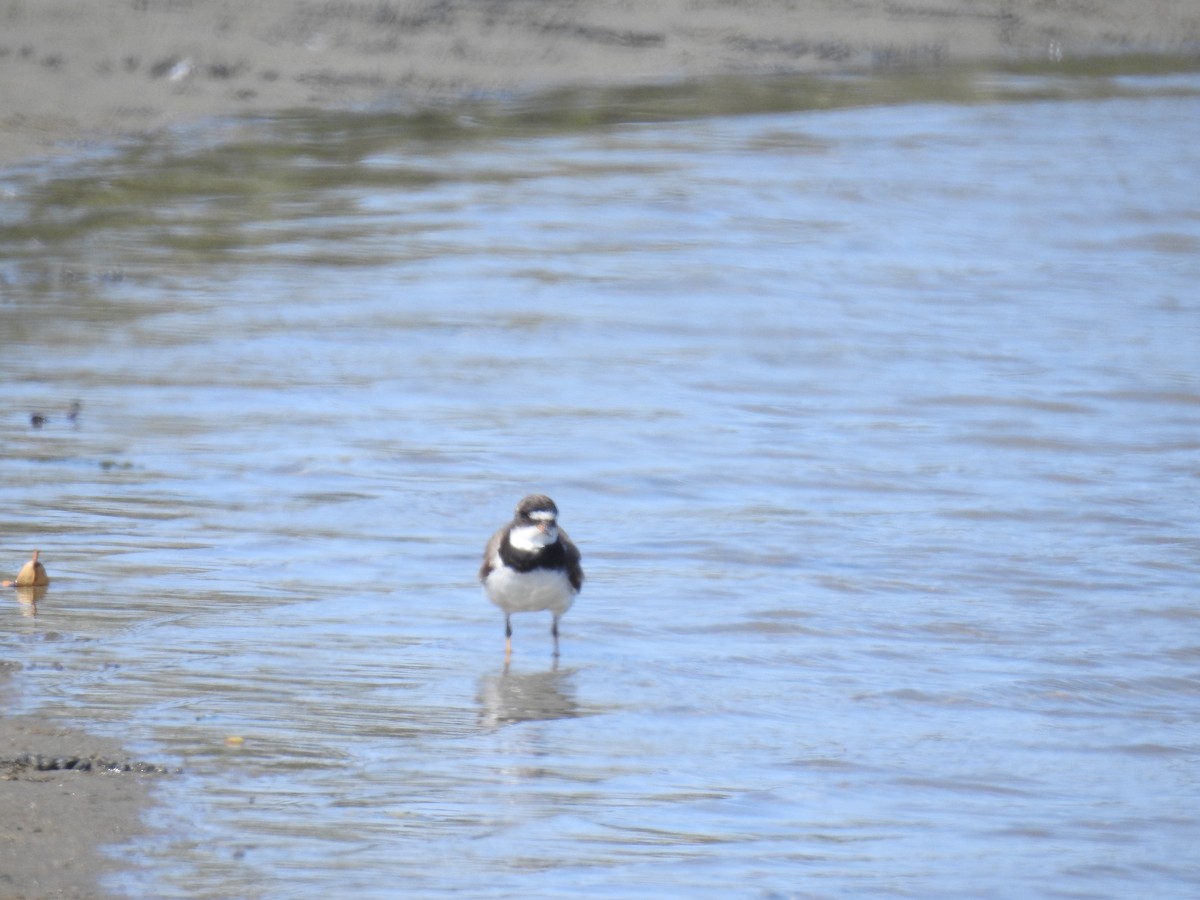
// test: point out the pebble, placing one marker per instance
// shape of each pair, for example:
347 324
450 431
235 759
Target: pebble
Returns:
40 763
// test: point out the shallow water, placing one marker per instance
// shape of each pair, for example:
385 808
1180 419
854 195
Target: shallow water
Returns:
878 429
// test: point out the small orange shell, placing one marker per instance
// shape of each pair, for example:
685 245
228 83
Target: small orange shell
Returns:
33 573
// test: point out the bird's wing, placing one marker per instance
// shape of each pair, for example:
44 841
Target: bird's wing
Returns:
489 551
574 568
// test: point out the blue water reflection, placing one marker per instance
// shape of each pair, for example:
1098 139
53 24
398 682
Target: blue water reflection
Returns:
877 428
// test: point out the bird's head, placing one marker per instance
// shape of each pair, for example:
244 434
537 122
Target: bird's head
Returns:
535 523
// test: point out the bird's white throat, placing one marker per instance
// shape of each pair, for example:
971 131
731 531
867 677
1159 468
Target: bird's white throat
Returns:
530 539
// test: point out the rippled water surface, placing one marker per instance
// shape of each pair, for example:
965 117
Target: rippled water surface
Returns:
878 429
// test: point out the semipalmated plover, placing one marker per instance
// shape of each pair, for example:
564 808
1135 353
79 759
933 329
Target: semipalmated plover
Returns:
530 564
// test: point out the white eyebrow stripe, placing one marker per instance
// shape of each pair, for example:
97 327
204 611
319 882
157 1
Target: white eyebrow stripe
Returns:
542 516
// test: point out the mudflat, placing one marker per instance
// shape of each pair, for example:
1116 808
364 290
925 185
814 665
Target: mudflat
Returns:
75 73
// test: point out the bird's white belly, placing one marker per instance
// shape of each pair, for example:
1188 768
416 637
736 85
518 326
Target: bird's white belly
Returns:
529 591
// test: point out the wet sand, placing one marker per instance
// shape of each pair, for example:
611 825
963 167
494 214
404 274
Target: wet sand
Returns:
76 74
67 798
57 821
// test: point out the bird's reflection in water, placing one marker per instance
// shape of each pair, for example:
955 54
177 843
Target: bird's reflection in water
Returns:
507 697
28 598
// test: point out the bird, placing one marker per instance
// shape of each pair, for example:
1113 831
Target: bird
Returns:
530 564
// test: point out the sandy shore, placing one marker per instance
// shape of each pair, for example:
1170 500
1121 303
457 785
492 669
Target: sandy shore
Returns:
67 798
74 73
55 821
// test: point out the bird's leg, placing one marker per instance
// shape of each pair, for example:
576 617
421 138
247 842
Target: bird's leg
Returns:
554 631
507 638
